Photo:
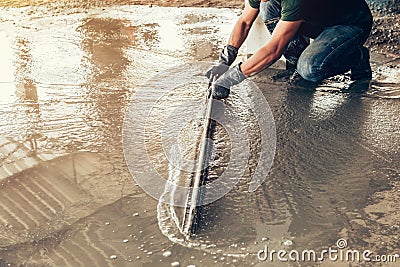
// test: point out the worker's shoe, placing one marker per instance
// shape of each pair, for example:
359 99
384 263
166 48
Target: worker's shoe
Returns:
293 51
296 81
285 75
363 69
359 86
291 66
292 55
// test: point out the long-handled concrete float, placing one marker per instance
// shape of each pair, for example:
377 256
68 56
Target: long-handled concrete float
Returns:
196 192
257 37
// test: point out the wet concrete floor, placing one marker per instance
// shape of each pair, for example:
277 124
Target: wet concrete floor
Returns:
67 197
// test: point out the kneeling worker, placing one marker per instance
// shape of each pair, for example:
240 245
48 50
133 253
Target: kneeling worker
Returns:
339 29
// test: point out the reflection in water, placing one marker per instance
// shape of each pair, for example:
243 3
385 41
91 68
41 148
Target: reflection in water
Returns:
104 41
26 91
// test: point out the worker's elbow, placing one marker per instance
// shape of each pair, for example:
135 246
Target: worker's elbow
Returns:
276 55
245 23
277 50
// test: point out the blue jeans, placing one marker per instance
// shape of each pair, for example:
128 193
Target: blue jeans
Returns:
335 49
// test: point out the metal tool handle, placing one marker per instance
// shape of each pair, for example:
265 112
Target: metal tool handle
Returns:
194 196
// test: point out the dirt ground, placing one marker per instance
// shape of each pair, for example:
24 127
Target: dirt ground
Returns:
385 35
174 3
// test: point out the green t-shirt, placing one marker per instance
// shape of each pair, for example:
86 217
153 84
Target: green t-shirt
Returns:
323 12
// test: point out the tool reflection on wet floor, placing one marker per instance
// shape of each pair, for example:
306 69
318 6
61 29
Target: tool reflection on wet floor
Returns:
195 196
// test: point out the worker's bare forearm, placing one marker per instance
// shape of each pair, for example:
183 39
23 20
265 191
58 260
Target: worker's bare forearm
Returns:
239 34
263 58
272 51
242 26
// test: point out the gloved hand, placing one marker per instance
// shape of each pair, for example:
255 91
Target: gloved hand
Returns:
226 58
230 78
228 55
216 71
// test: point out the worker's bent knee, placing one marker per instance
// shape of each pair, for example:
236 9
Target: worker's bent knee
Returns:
308 75
310 71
